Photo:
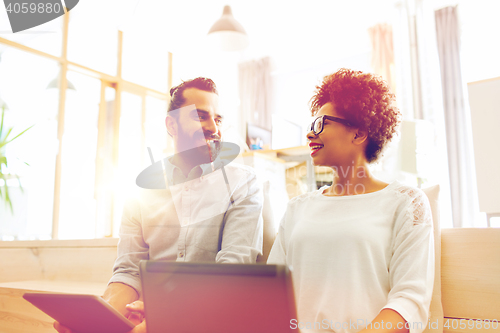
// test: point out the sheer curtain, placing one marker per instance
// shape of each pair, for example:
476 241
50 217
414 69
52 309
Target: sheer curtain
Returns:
382 60
382 63
418 92
458 131
255 90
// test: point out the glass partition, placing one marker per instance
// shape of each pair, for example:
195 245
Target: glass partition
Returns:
82 157
130 161
32 156
145 59
46 37
92 37
155 129
77 212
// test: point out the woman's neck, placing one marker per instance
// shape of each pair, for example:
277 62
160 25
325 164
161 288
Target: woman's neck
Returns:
353 179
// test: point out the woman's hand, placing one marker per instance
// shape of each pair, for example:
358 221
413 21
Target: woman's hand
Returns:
387 316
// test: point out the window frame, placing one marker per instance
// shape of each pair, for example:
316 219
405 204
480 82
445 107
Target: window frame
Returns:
113 81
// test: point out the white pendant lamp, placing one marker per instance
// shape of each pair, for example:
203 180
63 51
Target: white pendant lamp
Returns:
227 34
55 84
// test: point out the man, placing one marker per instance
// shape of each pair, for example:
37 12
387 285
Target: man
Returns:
203 209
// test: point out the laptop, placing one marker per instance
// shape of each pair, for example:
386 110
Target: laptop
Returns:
217 298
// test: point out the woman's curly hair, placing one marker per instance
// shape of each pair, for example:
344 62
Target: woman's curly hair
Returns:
365 101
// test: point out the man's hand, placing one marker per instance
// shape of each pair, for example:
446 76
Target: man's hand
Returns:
118 295
136 316
62 329
135 313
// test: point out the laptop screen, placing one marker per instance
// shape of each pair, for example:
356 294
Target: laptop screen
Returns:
209 297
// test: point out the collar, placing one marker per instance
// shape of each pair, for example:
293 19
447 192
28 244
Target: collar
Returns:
176 176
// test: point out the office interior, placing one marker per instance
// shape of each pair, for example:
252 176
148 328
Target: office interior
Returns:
91 89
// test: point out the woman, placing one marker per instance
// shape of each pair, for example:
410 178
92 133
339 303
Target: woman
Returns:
361 250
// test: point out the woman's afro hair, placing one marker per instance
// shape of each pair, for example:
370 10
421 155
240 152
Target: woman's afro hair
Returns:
365 101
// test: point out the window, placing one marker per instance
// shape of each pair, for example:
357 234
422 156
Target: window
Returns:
23 87
91 126
77 209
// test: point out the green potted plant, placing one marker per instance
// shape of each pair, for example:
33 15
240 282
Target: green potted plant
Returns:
4 174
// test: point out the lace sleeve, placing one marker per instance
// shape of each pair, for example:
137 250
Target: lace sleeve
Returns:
418 210
411 269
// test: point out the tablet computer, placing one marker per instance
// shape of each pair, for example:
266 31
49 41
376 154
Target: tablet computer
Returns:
81 313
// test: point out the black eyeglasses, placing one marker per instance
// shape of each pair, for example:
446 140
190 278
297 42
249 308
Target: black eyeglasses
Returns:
318 123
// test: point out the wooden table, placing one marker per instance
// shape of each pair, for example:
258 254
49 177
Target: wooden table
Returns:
19 316
66 266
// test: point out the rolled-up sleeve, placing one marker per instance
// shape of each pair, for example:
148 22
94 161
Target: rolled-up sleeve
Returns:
411 269
131 247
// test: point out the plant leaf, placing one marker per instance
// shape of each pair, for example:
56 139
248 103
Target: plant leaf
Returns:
1 124
7 198
19 181
22 161
18 135
4 140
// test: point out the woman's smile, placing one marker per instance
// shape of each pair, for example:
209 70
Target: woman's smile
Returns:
315 147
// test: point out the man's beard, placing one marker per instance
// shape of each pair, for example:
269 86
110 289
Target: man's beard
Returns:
201 153
214 147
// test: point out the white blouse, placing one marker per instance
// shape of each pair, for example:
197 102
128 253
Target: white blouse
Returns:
352 256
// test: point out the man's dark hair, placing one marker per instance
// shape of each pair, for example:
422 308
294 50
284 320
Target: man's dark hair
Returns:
176 93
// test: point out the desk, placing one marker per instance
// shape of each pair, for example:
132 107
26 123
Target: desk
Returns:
470 281
67 266
57 286
19 316
293 156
